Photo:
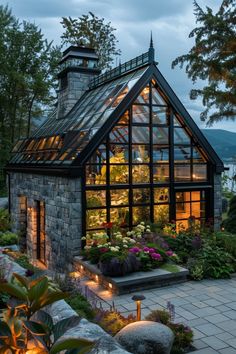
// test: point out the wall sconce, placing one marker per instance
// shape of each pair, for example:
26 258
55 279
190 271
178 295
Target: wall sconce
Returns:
138 299
96 278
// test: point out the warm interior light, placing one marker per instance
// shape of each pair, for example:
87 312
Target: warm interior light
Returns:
96 278
81 267
110 285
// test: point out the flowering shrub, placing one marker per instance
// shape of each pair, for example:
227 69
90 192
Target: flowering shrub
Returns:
126 253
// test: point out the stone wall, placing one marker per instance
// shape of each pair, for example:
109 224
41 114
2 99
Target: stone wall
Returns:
62 198
77 84
217 201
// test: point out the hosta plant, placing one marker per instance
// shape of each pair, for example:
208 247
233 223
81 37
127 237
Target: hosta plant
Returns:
28 328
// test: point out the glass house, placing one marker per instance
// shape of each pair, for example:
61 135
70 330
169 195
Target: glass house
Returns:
125 151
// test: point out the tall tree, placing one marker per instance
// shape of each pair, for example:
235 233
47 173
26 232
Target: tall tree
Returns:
92 31
27 78
213 58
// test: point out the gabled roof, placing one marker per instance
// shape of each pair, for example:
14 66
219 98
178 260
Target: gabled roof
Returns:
70 141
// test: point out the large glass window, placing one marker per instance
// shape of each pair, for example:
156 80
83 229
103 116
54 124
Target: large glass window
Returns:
129 177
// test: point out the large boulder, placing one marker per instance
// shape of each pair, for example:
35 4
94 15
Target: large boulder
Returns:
146 337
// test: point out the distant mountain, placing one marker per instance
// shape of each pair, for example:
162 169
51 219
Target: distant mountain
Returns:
223 141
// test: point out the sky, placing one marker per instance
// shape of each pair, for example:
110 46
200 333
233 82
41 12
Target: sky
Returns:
169 20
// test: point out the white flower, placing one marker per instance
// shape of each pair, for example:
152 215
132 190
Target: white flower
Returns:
129 233
83 238
125 246
87 247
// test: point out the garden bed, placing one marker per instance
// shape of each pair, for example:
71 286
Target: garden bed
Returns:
132 282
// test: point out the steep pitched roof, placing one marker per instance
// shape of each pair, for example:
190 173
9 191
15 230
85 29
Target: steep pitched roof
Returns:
70 141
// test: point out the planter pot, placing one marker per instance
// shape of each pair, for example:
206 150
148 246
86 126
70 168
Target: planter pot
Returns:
116 267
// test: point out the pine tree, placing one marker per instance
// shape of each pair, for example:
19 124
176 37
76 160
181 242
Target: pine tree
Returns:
213 58
92 31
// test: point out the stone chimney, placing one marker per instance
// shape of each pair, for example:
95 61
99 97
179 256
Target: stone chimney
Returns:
77 67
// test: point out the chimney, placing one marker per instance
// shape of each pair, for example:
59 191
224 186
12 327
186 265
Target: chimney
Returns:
77 67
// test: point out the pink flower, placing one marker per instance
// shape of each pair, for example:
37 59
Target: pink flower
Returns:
169 253
146 249
134 250
156 256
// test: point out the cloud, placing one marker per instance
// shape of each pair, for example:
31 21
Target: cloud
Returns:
170 21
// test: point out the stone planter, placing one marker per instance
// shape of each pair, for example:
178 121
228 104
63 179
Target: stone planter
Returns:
116 267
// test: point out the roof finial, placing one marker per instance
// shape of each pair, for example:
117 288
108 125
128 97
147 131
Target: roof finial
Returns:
151 51
151 41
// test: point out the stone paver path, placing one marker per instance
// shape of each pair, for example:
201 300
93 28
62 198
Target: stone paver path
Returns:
208 307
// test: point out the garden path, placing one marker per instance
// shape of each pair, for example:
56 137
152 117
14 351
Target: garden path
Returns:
208 307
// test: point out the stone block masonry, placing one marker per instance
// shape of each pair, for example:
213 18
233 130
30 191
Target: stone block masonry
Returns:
62 200
217 202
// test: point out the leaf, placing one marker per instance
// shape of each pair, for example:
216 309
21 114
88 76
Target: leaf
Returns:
45 318
38 289
36 281
5 330
23 280
72 343
35 328
47 300
14 291
62 326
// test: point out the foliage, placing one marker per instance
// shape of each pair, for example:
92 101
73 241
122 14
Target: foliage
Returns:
125 254
227 241
8 238
217 262
212 58
81 306
27 85
196 268
4 220
230 223
161 316
92 31
224 205
111 320
25 318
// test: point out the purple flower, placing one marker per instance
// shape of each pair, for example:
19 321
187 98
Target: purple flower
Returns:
146 249
169 253
134 250
152 250
156 256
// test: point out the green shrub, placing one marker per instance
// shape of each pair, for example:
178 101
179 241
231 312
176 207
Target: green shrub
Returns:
217 262
227 241
4 220
23 261
230 222
112 321
8 238
160 316
196 268
81 306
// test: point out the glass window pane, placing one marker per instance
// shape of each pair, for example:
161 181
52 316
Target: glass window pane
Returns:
182 173
160 153
160 135
99 156
161 195
140 134
124 119
141 213
95 174
95 198
159 115
157 98
119 134
119 153
161 214
143 96
140 153
182 197
140 174
196 195
95 218
141 114
200 172
160 173
119 216
119 196
119 174
197 156
181 136
141 196
182 154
